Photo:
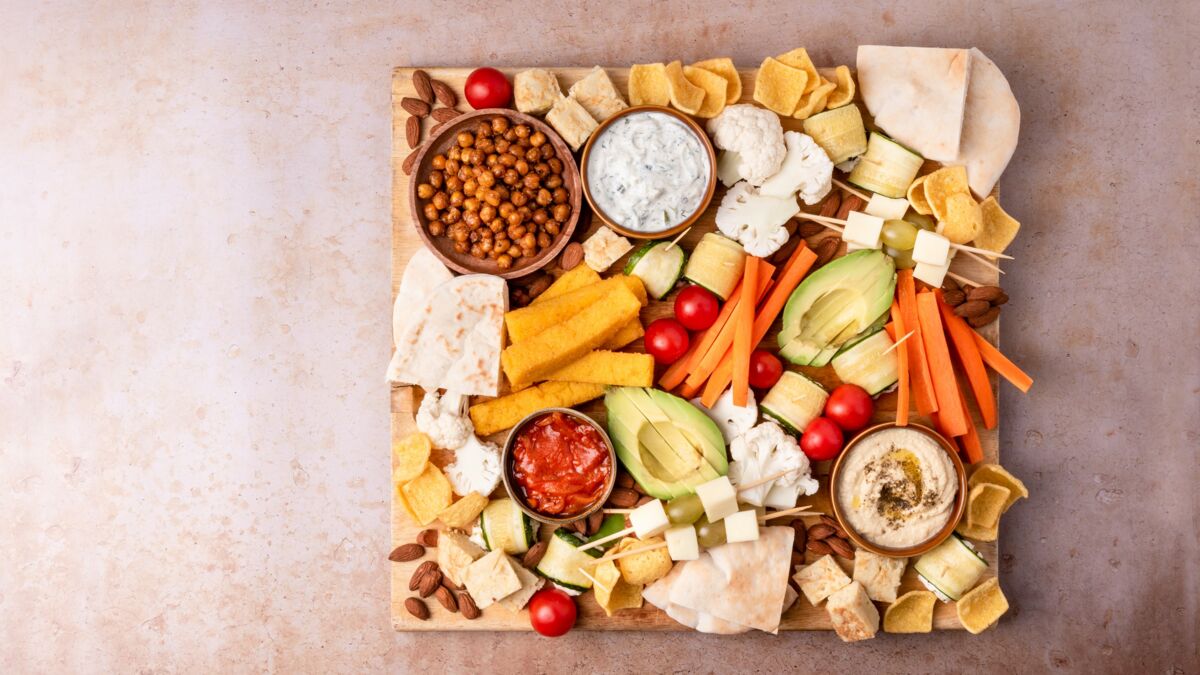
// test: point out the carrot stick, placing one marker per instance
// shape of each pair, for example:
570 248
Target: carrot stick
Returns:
742 333
724 338
902 396
679 370
970 440
793 272
972 363
1000 363
918 367
941 371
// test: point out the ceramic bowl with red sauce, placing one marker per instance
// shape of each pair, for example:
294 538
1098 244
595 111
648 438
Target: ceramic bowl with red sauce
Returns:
559 465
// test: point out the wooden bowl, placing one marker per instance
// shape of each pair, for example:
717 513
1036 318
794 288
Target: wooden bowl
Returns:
442 246
960 500
708 193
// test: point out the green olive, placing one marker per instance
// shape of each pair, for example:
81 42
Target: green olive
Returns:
710 534
903 259
922 221
899 234
685 510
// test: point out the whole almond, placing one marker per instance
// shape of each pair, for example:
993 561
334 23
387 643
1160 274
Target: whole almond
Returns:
801 538
428 538
579 526
950 283
445 95
781 256
989 294
841 547
830 206
430 583
623 498
971 308
954 297
646 499
466 605
407 552
444 114
985 318
818 547
412 131
415 581
445 597
417 608
571 256
414 106
409 161
825 250
534 555
539 286
821 531
808 229
639 489
446 583
624 480
594 522
832 522
849 203
797 558
423 86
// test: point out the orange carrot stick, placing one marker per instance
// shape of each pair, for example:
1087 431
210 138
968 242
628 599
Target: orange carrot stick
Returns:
679 370
1000 363
970 442
941 371
724 338
898 331
918 368
742 334
972 363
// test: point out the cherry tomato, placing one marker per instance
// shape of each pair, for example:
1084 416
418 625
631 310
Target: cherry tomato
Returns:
822 440
850 406
696 308
487 88
666 340
551 612
765 369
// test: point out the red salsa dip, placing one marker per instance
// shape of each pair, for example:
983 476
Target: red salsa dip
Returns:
562 464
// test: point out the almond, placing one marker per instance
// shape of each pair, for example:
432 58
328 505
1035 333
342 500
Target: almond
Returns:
801 538
422 569
821 531
646 499
841 547
539 286
818 547
988 294
445 114
809 229
951 284
412 131
444 94
825 250
571 256
409 161
985 318
407 552
832 522
850 203
423 86
831 205
624 480
781 256
579 526
445 597
594 521
446 583
466 605
414 106
623 498
429 583
971 308
428 538
639 489
534 555
954 297
417 608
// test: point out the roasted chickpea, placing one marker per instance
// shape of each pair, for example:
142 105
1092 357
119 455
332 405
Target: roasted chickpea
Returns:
516 231
431 212
452 215
532 155
529 241
556 164
510 135
560 195
491 160
459 232
453 152
501 245
544 197
546 151
453 165
487 212
503 191
486 245
465 139
482 129
456 198
537 138
521 166
486 179
516 252
526 212
540 216
485 145
543 240
438 162
471 219
471 204
469 186
504 261
461 246
472 235
519 198
508 159
553 181
505 209
492 197
499 125
515 218
453 183
424 190
511 177
477 251
486 234
437 228
501 145
561 212
464 173
436 179
552 228
497 226
522 131
531 180
541 169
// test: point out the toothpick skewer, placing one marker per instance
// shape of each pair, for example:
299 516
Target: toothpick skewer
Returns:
983 261
623 554
594 580
764 480
604 540
833 223
851 190
676 239
899 342
618 511
786 512
963 280
981 251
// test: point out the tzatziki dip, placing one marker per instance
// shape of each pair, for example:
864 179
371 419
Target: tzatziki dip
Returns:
648 171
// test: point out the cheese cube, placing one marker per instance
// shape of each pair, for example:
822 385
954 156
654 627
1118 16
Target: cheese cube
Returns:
821 579
862 230
887 208
931 274
649 520
741 526
604 248
931 248
682 543
718 497
853 616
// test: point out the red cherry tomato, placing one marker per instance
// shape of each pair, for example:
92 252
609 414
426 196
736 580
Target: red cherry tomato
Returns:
696 308
666 340
822 440
850 406
551 612
765 369
487 88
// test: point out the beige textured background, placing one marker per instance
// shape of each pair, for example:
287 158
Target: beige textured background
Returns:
194 326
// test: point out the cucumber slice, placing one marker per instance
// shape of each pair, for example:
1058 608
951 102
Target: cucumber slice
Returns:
951 569
716 264
839 132
887 168
864 363
506 527
658 264
794 401
561 561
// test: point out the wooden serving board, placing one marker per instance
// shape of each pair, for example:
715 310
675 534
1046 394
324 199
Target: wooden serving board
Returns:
404 401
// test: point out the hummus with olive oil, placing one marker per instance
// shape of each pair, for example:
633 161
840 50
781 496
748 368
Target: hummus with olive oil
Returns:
897 488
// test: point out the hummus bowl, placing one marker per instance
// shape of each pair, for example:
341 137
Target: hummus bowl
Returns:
898 491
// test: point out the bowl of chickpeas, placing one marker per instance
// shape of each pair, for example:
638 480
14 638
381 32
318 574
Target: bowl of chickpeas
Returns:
495 192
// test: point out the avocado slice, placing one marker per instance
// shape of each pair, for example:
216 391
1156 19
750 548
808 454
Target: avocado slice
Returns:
668 445
835 303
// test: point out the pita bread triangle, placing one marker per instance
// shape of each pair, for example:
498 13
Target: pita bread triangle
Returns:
991 125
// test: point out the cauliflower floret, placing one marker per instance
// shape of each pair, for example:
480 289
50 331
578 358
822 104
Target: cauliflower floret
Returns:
755 135
476 467
806 170
444 420
755 221
732 420
765 450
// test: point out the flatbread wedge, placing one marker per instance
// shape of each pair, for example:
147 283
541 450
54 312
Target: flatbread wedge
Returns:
991 124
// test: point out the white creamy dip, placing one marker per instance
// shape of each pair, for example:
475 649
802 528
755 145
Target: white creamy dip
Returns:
648 171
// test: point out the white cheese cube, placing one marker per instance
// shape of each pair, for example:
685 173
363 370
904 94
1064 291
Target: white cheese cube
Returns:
741 526
649 520
931 248
931 274
862 230
682 543
718 497
887 208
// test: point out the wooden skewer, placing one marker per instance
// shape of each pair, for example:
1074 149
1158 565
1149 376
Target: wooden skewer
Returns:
676 239
851 190
764 480
831 223
623 554
619 511
605 540
594 580
899 342
962 280
981 251
786 512
983 261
